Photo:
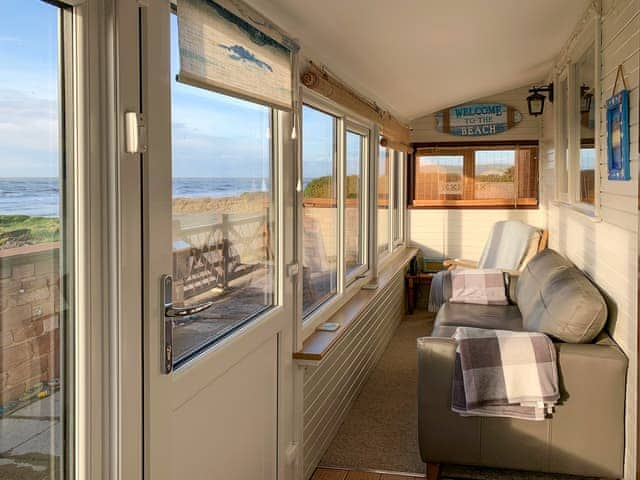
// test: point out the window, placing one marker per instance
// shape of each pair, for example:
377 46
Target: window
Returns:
384 165
35 245
585 73
335 153
223 210
479 176
320 212
355 221
577 175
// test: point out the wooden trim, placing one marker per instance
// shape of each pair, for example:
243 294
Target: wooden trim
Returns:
463 144
544 240
319 344
473 207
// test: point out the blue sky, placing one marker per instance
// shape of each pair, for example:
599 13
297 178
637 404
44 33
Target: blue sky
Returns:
28 89
213 135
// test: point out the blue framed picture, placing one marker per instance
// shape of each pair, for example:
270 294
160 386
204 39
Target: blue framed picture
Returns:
618 151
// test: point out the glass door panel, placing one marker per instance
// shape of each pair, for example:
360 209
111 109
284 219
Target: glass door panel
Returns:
34 314
222 211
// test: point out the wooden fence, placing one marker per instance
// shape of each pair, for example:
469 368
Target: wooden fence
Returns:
212 255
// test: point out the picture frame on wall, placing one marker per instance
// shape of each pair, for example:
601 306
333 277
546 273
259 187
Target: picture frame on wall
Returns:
618 141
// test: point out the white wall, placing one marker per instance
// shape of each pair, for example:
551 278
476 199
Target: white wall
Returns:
462 233
607 249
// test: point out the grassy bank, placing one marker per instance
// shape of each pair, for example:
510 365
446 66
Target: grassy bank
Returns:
19 230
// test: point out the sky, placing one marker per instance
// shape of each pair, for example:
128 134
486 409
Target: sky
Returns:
28 89
213 135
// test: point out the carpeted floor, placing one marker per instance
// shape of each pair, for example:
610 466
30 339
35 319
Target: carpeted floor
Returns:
381 430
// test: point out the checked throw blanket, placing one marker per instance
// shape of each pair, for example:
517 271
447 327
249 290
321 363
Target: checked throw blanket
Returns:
500 373
481 287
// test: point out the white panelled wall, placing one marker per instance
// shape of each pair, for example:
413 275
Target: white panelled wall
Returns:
606 248
444 233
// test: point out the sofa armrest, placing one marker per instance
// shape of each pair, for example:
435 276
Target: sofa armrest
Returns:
452 263
590 417
444 437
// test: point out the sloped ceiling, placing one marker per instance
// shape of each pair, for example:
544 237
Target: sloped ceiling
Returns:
415 57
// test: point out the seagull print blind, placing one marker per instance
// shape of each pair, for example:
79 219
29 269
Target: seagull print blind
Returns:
227 46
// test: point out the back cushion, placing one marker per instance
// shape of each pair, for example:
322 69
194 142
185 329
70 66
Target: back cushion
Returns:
556 298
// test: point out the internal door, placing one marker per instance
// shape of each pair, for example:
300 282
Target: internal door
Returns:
218 319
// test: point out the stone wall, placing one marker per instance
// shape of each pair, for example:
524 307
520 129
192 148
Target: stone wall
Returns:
29 323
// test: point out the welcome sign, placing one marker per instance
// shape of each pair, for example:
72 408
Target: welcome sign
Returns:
477 119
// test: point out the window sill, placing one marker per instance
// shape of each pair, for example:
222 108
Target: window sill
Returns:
318 344
585 210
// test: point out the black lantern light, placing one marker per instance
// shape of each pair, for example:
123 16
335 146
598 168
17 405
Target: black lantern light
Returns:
586 98
535 101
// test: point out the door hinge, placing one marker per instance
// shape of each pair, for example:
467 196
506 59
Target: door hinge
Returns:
143 3
293 269
135 132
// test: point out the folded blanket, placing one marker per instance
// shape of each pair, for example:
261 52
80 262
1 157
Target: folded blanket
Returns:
501 373
440 290
481 287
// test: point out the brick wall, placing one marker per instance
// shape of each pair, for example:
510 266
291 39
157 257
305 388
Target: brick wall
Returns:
29 321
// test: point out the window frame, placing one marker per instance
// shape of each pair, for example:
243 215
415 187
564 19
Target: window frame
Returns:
347 286
358 129
399 161
467 150
589 38
383 253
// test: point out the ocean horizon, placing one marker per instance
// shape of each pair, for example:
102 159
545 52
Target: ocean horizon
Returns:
40 196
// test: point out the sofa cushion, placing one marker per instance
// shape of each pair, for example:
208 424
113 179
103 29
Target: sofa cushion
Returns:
452 315
556 298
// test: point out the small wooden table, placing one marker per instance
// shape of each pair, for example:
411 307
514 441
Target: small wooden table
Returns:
413 283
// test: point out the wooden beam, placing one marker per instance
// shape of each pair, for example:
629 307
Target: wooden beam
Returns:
319 81
402 147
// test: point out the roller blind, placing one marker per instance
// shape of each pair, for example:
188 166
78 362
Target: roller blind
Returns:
227 46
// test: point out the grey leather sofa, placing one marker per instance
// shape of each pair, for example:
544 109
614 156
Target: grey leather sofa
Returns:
585 434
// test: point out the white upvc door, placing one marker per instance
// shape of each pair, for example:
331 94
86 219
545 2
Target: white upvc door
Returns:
217 384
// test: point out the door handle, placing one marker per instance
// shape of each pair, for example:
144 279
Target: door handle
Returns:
169 313
172 312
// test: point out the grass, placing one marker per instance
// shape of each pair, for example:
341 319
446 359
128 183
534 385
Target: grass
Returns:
23 229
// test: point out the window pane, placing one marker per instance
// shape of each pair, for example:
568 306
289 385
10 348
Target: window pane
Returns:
353 212
384 166
494 175
223 211
320 223
563 174
33 260
585 77
398 158
439 177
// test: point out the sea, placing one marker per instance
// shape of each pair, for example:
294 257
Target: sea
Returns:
40 197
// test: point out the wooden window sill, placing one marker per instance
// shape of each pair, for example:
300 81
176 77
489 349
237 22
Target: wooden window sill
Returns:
319 344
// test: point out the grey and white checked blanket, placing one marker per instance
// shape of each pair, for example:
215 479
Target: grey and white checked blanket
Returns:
467 285
484 286
500 373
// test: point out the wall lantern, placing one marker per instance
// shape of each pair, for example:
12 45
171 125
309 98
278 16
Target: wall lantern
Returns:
535 101
586 98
